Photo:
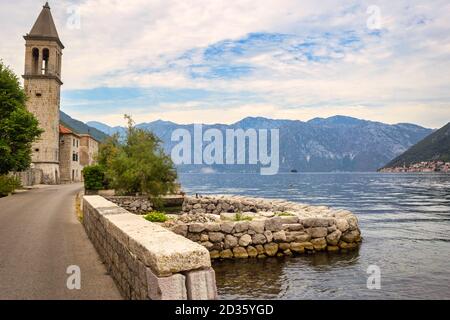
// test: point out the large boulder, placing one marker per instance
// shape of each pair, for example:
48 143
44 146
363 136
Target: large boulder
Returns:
279 236
240 252
245 240
227 226
216 236
317 222
230 241
351 236
241 226
269 235
226 254
271 249
259 239
257 226
334 237
319 244
252 252
196 227
212 226
274 224
317 232
342 224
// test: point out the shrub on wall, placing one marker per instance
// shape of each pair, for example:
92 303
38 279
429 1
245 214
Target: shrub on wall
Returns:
156 216
94 177
8 184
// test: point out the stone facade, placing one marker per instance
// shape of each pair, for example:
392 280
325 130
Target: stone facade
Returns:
88 150
43 102
146 260
42 84
69 151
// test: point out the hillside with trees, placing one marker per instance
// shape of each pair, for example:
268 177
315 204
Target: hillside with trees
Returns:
435 147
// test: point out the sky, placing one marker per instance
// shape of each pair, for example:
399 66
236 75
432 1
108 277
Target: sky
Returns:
217 61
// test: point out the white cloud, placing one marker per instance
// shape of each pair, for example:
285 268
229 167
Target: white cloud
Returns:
401 75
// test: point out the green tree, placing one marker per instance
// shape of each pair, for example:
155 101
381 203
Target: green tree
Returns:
18 127
139 164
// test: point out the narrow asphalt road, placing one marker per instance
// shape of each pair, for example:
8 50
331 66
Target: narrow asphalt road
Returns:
40 237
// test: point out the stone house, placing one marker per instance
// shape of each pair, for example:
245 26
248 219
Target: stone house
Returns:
69 156
88 150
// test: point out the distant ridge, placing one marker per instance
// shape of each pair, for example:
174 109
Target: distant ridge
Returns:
434 147
335 144
81 127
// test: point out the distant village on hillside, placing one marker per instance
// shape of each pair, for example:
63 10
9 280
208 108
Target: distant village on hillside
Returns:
424 166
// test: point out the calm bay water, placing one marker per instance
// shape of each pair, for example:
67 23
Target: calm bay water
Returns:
405 224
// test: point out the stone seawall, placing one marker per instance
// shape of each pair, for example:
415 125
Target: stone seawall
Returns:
242 227
146 260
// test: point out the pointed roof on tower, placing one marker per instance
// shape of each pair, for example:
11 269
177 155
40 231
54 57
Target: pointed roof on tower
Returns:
44 28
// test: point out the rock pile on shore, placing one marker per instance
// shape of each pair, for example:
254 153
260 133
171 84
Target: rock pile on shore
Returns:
242 227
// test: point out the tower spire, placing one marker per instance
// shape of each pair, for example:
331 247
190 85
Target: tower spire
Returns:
44 28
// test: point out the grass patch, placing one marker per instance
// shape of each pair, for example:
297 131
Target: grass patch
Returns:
8 184
156 216
284 214
240 217
78 209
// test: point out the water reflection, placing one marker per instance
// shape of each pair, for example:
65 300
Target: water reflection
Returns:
245 276
271 276
404 219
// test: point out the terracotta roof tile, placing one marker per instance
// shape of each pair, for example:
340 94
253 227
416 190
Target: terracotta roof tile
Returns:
64 130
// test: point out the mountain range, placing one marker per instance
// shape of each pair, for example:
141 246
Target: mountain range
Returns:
81 127
434 147
335 144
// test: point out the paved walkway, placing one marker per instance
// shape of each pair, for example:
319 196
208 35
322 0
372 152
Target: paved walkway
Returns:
40 237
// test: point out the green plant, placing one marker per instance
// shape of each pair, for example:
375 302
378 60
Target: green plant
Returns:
8 184
284 214
94 177
138 165
156 216
241 217
18 127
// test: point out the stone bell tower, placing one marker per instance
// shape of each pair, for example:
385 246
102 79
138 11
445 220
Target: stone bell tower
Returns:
42 83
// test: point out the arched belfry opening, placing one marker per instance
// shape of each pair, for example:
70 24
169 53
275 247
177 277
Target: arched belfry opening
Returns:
35 62
45 58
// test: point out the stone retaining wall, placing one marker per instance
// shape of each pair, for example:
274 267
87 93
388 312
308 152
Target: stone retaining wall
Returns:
142 204
268 227
30 177
146 260
137 205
